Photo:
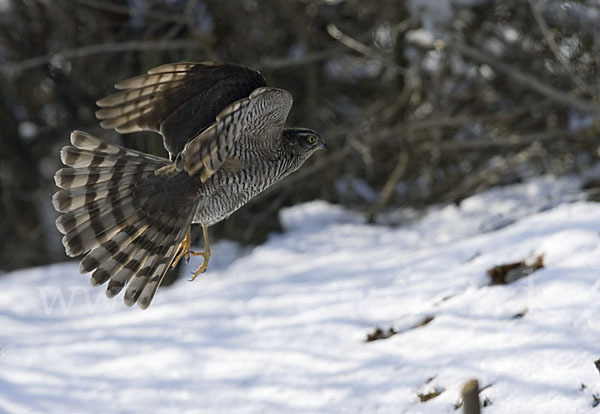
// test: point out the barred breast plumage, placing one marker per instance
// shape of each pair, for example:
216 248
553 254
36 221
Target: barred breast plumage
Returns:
227 191
129 212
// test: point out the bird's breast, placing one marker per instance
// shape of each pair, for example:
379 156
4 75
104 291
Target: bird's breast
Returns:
227 191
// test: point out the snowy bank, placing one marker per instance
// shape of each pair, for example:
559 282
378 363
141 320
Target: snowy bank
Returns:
282 327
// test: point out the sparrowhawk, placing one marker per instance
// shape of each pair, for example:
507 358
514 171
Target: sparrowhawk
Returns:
129 213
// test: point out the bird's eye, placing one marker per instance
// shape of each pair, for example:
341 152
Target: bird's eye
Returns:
311 139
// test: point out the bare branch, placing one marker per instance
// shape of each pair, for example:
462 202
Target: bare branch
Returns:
284 63
491 175
511 141
390 186
526 80
15 69
354 44
130 11
539 18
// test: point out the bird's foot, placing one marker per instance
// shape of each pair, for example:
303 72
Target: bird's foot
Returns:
167 170
183 250
206 255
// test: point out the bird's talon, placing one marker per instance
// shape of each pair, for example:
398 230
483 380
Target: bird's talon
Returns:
184 251
197 273
206 255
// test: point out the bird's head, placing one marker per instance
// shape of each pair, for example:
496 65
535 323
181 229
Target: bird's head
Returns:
303 141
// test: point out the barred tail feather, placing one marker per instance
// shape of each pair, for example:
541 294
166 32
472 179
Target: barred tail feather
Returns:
106 216
154 265
142 249
73 198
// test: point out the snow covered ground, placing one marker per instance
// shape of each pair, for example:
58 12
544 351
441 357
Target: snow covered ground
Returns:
281 328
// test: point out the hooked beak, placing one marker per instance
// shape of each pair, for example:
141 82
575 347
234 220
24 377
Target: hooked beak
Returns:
323 145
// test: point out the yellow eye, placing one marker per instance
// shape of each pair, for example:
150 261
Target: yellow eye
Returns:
311 139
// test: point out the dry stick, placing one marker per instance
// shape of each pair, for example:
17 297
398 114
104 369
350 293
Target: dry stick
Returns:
18 67
470 397
354 44
529 81
509 141
460 120
301 27
596 53
409 129
284 63
130 11
390 186
541 22
490 174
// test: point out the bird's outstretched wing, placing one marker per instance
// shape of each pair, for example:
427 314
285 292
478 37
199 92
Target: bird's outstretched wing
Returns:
255 122
177 100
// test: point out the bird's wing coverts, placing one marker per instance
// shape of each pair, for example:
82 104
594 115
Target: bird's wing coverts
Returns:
256 121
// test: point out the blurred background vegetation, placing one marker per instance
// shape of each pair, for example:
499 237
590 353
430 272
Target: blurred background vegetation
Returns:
420 101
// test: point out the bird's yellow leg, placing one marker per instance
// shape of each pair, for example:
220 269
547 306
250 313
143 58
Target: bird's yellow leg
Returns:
205 254
184 251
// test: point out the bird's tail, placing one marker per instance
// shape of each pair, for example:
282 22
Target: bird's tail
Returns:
122 216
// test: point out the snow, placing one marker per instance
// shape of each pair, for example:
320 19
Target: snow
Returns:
281 327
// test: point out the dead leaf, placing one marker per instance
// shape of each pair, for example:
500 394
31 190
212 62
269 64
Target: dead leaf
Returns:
520 314
510 272
379 333
431 394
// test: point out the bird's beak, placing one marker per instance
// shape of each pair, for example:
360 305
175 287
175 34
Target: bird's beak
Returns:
322 145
